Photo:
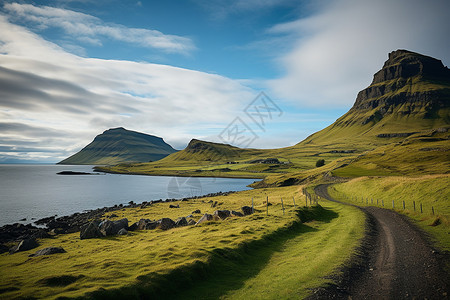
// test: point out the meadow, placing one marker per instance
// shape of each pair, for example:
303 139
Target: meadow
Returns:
230 259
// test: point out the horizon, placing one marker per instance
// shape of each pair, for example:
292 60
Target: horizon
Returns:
70 70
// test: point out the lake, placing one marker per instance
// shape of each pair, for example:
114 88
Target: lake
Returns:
36 191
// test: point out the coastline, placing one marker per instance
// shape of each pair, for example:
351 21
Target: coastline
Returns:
53 225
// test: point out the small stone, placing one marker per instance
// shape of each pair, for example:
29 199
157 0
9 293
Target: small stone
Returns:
222 214
48 251
247 210
123 231
24 245
205 218
181 222
166 224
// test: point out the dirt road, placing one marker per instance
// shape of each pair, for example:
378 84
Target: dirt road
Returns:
396 262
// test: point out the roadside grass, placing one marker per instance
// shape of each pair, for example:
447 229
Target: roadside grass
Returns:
428 191
153 261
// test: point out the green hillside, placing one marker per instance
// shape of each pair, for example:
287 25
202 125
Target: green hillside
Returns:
119 145
405 109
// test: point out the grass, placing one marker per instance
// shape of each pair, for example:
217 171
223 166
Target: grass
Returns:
428 191
241 252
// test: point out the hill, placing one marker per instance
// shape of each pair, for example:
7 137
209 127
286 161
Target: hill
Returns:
118 145
402 117
410 94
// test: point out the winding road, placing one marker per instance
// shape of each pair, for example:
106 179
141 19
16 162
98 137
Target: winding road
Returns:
397 263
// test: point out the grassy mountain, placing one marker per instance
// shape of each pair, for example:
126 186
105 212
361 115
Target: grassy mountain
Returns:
119 145
398 125
410 94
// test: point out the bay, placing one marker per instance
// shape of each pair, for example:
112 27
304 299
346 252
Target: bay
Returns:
36 191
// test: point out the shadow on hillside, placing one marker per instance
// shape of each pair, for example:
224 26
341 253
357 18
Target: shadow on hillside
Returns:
227 269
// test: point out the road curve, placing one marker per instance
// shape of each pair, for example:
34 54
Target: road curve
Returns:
398 263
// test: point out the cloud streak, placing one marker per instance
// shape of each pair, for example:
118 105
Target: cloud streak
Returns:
91 30
47 94
337 49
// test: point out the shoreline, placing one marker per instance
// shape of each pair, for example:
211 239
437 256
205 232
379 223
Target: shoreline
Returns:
53 225
235 176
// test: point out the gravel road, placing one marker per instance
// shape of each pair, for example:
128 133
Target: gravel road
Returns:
396 261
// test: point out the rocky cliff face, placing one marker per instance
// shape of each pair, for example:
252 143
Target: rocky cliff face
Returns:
411 93
409 83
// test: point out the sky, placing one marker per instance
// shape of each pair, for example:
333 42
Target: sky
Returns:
252 73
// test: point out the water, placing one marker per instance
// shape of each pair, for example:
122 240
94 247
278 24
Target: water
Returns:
36 191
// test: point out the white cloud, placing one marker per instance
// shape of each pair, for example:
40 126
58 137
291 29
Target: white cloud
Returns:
45 90
89 29
339 48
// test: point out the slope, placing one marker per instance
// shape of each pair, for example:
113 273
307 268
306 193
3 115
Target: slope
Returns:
119 145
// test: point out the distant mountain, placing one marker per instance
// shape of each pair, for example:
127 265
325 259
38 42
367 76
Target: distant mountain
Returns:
410 94
119 145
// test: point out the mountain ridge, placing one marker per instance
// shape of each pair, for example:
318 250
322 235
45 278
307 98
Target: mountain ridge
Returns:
119 145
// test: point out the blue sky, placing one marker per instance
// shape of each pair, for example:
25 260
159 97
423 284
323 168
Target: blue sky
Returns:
189 69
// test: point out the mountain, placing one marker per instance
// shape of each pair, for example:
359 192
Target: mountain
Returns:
118 145
399 125
410 94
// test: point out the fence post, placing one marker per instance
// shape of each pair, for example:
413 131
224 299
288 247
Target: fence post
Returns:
377 202
293 199
282 205
371 200
403 204
267 205
253 210
421 211
382 202
393 205
432 210
414 205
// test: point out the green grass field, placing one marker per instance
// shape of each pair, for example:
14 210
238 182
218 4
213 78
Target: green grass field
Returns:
217 259
430 191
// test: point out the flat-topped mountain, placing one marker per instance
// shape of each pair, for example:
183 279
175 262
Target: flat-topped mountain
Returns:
411 93
118 145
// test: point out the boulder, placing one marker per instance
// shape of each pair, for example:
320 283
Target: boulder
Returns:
146 224
123 231
236 213
108 228
165 224
90 231
191 222
181 222
3 249
205 218
48 251
247 210
24 245
222 214
133 226
174 206
189 216
197 211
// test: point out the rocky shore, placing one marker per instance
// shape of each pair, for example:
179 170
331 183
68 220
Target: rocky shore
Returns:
50 226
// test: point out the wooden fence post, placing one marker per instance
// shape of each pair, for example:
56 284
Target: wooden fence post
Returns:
377 202
282 205
293 199
414 205
382 202
403 204
393 205
421 211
